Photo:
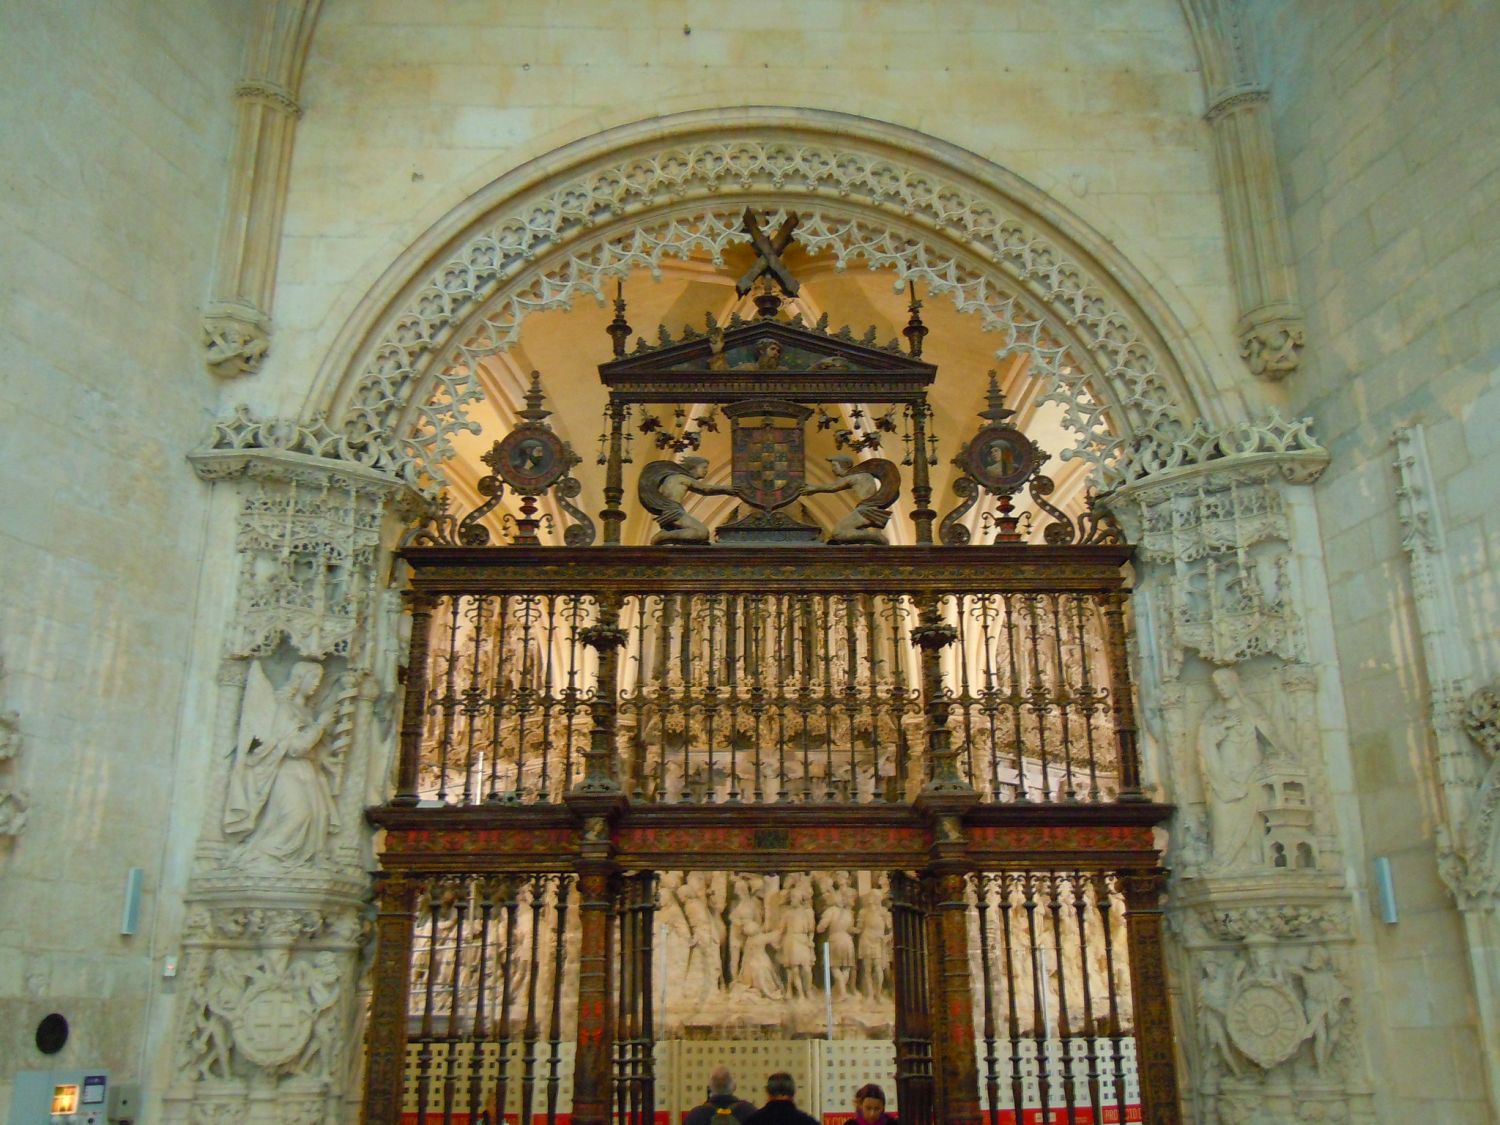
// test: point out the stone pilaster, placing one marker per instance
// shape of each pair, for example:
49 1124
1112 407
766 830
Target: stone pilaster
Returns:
1261 922
279 899
1465 724
1270 328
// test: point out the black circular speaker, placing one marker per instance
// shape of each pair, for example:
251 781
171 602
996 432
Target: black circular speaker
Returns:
51 1034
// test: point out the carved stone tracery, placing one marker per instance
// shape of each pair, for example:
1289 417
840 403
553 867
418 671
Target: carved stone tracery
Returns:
1026 284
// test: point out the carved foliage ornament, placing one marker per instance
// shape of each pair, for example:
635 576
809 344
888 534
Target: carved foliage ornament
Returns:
493 271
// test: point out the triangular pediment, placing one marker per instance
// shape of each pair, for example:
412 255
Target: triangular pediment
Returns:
769 356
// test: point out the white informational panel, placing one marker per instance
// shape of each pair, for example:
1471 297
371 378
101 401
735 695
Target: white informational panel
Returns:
849 1064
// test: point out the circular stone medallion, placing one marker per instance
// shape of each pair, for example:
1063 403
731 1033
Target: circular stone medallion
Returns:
272 1028
1266 1023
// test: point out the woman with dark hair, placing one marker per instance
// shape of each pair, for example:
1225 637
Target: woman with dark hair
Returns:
869 1107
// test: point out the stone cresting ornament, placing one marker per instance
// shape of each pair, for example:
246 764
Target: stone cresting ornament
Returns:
494 275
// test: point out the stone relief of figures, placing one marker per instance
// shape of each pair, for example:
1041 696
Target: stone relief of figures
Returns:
271 1010
771 934
1268 1006
282 781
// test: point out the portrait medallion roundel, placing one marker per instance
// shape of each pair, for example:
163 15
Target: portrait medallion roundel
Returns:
531 460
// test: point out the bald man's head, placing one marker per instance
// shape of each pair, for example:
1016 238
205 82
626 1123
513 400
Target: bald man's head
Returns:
720 1082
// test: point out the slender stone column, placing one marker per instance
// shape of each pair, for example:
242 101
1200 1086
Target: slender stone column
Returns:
237 321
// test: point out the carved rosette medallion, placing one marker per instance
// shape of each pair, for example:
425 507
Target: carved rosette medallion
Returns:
1266 1023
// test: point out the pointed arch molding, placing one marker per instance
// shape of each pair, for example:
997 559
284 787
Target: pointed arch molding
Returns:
395 384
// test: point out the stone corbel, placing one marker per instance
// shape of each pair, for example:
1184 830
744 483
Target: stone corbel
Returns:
1468 867
237 320
1207 511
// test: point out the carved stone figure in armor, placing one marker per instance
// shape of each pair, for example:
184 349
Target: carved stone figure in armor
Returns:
799 923
1325 998
664 486
280 802
838 923
1215 991
874 948
876 484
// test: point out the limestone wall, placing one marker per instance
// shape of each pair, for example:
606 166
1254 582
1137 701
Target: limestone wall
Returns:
1380 114
113 136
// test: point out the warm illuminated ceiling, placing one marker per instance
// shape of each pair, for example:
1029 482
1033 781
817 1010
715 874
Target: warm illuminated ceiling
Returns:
567 345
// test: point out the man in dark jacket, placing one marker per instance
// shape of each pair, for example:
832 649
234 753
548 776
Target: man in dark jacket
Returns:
779 1108
722 1107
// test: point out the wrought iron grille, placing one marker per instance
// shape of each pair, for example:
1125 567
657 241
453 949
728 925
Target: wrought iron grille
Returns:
736 696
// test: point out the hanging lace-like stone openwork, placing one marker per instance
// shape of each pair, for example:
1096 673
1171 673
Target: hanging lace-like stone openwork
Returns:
653 800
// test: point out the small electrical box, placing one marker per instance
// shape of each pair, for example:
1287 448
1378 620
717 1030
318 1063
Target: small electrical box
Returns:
68 1097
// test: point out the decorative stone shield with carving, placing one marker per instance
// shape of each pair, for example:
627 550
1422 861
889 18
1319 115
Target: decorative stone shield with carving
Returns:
1266 1023
272 1027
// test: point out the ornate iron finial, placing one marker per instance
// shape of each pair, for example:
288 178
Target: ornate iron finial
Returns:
996 411
619 328
767 302
915 331
768 255
1000 460
532 460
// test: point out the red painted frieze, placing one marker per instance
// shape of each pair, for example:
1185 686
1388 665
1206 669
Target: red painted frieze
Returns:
495 841
1062 837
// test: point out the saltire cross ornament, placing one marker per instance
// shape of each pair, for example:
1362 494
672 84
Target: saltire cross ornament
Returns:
769 250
